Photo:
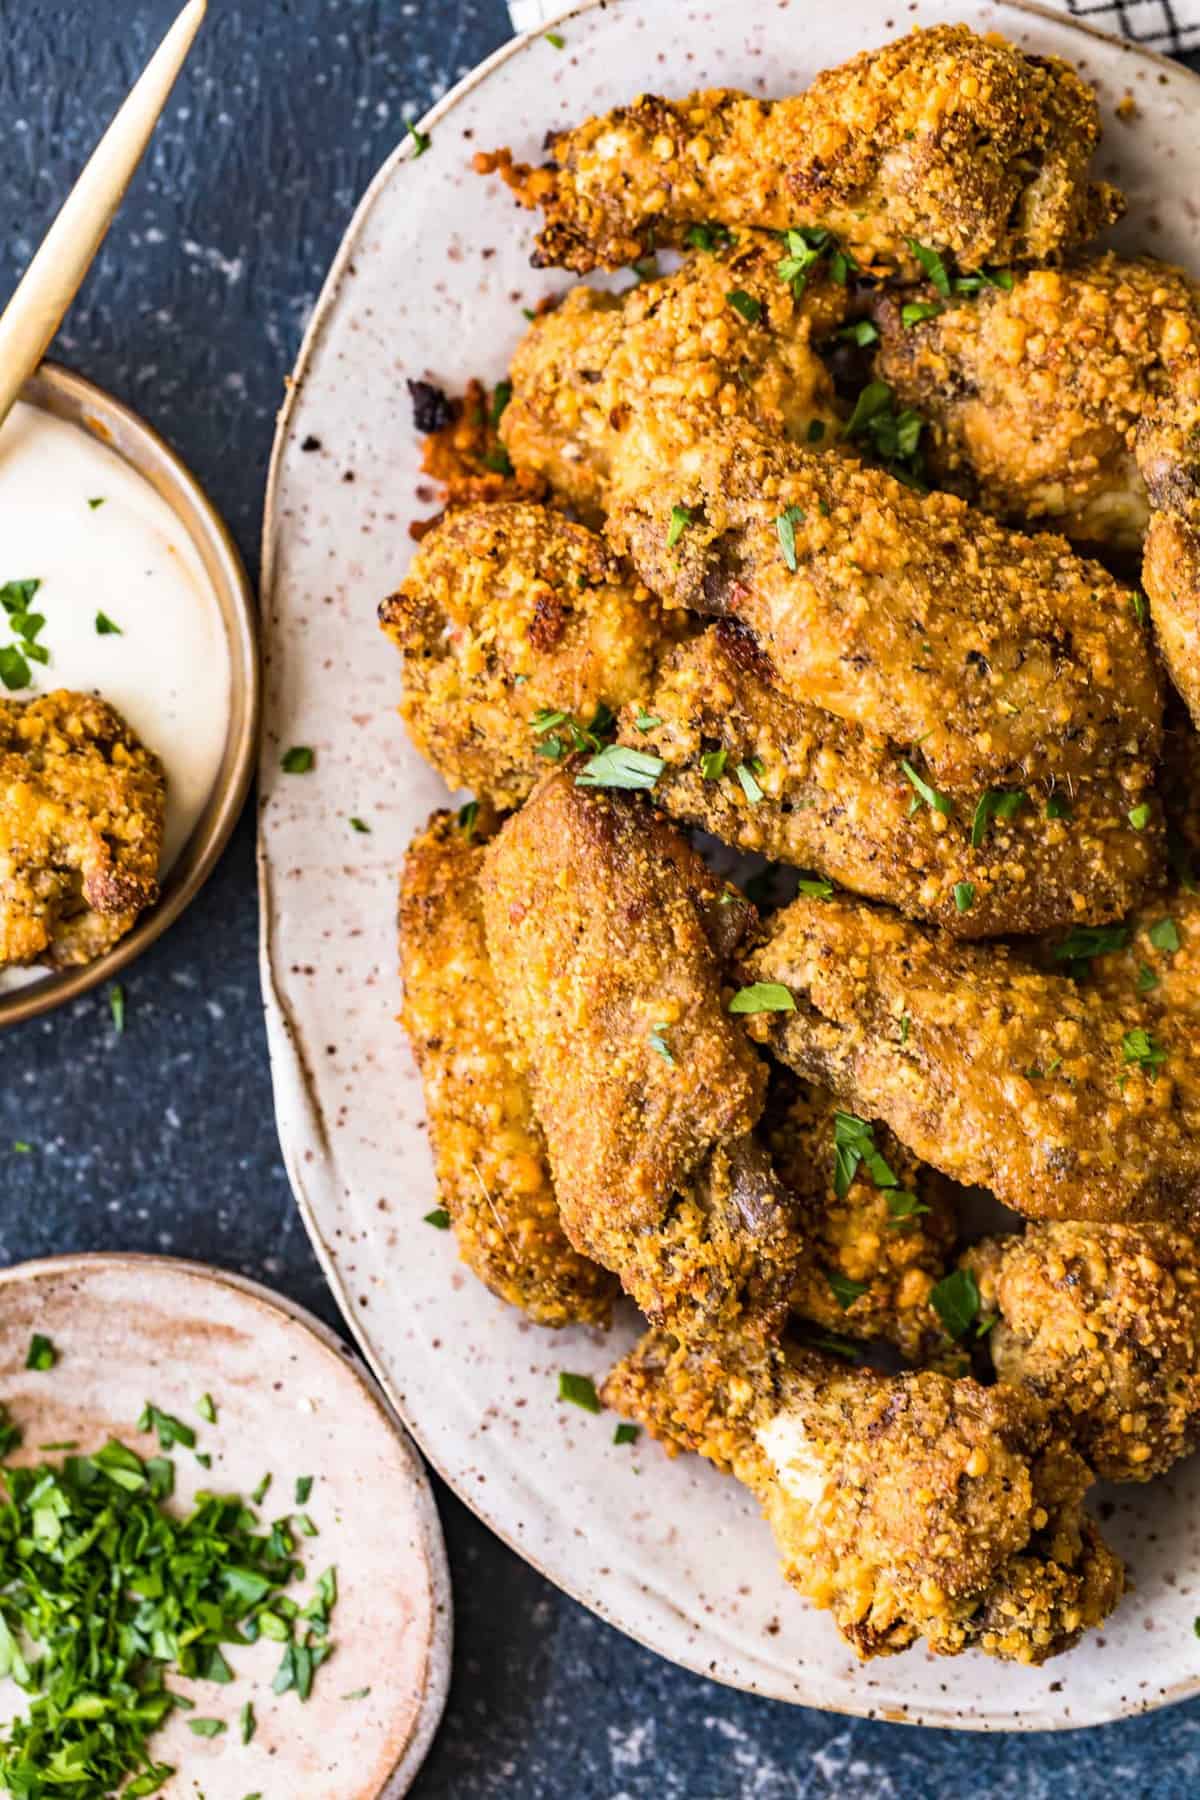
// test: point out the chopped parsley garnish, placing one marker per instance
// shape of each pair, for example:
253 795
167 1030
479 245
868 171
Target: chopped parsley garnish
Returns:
116 1006
207 1728
971 284
785 530
106 627
99 501
1058 807
439 1218
627 1434
861 332
659 1043
170 1430
207 1409
964 895
712 764
681 518
556 40
298 760
304 1487
580 1390
1137 601
806 245
419 139
854 1143
915 312
815 887
1083 942
933 266
845 1291
14 669
1147 980
708 237
955 1300
1138 1046
837 1346
646 721
247 1723
501 395
761 997
895 437
746 774
618 766
1165 935
903 1206
468 818
42 1355
994 803
745 305
361 825
923 791
816 430
1139 816
905 1027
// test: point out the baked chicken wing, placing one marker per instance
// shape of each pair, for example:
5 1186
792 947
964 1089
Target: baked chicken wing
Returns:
516 627
779 776
1008 660
82 809
1063 1100
492 1170
960 141
1102 1324
913 1507
605 381
601 924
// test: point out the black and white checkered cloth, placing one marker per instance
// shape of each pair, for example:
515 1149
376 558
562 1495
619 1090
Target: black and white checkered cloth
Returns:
1172 26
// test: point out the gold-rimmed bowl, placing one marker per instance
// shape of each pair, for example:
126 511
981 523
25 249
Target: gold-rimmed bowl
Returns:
79 402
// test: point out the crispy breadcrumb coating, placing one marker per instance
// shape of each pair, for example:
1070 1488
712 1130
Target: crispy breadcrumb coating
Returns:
960 141
911 1506
463 452
834 797
606 380
1159 963
1102 1324
1032 396
1008 659
600 922
82 809
1169 458
493 1176
893 1243
1066 1102
511 614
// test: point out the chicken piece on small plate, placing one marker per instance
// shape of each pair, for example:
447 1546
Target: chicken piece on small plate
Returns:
786 779
913 1507
1065 1101
603 381
1102 1324
82 810
607 935
958 141
1006 659
492 1170
517 628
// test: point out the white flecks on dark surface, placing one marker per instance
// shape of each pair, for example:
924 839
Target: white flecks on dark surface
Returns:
164 1135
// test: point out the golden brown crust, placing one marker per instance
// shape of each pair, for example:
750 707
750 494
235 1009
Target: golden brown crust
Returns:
493 1175
509 612
1007 658
954 139
81 828
465 456
912 1507
1102 1324
1158 964
596 926
604 381
835 798
1046 1091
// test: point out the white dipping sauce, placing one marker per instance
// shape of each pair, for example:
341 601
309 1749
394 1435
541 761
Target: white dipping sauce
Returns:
130 558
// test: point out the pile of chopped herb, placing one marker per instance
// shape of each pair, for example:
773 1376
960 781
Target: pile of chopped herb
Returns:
16 597
893 436
103 1592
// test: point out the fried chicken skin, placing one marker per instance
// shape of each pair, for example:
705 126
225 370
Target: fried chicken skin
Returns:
1102 1324
606 380
1033 395
959 141
601 925
912 1507
1007 658
1169 458
834 796
872 1253
511 615
492 1170
1062 1100
82 810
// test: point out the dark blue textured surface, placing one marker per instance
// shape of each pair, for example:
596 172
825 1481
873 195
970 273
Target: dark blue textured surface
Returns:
163 1139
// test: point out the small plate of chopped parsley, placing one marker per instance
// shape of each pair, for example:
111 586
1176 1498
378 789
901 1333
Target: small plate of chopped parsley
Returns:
220 1562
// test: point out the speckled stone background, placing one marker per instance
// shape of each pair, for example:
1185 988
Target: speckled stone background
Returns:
163 1138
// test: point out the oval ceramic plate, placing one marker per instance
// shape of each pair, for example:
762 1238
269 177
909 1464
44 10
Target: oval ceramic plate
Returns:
289 1401
431 282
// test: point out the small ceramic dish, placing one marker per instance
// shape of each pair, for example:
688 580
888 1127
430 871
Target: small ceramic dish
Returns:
289 1400
78 402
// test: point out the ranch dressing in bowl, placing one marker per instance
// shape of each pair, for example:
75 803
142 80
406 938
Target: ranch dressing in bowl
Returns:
129 608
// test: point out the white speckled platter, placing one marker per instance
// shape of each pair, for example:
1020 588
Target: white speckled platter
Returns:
289 1401
430 282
